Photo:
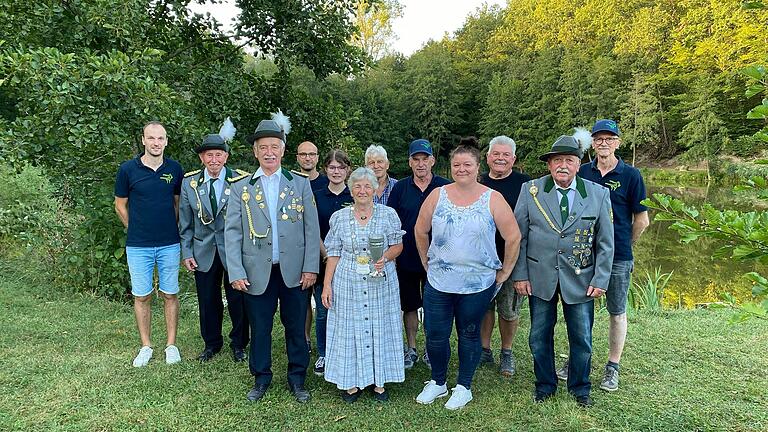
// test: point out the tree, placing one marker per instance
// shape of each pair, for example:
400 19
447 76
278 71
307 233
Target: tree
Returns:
704 133
374 26
640 116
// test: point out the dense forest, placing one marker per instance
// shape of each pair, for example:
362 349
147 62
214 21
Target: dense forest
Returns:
79 78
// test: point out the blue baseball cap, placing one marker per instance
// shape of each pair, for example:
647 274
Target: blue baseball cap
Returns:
606 125
419 146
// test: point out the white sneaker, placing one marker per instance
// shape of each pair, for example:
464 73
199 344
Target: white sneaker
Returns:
172 355
431 392
459 398
141 360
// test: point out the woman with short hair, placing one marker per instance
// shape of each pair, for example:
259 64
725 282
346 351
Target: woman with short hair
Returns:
463 268
364 341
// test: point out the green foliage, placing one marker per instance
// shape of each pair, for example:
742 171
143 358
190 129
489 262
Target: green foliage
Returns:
80 78
313 34
649 294
742 236
28 210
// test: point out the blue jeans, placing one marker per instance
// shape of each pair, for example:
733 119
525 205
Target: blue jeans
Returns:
141 266
468 310
321 320
578 320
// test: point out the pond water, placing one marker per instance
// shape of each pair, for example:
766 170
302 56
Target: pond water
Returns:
697 278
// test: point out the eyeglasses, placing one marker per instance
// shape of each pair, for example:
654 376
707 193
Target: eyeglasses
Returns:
335 168
306 155
609 140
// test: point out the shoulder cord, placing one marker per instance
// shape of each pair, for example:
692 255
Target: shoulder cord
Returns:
534 191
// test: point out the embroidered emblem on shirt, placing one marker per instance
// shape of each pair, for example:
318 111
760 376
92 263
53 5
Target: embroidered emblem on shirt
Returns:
167 177
613 184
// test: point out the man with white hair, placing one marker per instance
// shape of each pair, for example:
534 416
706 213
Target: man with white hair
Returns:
376 159
504 179
272 241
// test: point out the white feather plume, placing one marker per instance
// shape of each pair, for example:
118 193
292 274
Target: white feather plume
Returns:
583 137
227 131
282 120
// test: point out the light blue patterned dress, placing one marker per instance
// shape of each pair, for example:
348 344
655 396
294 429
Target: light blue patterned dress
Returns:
462 257
364 343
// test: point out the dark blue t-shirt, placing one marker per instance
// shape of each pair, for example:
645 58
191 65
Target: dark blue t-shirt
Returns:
627 190
327 204
321 182
509 187
151 201
406 198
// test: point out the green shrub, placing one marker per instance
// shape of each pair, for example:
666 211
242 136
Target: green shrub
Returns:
28 209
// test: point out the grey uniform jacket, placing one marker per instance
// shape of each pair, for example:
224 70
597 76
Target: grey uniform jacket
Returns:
249 243
202 233
575 255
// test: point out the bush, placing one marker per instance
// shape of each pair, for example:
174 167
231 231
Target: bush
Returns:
28 210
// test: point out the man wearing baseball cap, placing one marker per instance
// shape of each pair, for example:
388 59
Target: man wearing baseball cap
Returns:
630 218
406 198
204 197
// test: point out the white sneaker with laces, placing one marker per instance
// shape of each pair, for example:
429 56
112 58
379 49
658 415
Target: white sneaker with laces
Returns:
431 392
172 355
460 397
141 360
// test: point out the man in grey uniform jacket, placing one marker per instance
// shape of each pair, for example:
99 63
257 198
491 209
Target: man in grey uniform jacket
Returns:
567 252
273 252
203 208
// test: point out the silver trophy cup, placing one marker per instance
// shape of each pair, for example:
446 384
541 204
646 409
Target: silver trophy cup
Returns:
376 247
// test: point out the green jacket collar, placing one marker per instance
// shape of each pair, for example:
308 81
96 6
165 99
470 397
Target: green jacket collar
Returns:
549 183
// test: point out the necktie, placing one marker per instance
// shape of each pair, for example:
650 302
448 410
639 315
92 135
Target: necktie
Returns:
563 204
212 195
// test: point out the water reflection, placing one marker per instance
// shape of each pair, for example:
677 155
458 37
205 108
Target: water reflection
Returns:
697 279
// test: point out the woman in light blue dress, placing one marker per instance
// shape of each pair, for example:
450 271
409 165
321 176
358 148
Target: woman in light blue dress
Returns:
364 341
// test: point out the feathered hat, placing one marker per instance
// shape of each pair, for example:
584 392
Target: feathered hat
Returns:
218 141
576 144
278 127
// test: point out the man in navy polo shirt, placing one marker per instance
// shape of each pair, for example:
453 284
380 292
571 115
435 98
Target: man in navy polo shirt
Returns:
630 218
406 198
147 201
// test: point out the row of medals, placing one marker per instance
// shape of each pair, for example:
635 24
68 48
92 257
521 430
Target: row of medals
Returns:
260 201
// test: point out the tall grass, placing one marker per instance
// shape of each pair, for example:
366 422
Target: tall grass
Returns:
648 294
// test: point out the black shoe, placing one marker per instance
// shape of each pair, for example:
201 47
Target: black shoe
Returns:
380 397
238 355
257 392
351 397
539 397
584 401
207 354
299 392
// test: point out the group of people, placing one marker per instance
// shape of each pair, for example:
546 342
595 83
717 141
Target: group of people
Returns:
373 251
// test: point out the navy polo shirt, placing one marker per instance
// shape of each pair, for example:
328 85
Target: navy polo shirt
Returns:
319 183
151 203
406 198
627 190
329 203
509 187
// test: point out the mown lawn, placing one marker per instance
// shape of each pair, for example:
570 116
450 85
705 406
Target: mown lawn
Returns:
66 365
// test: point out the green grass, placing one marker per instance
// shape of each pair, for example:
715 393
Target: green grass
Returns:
66 365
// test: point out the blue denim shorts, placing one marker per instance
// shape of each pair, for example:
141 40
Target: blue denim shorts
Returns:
141 265
618 287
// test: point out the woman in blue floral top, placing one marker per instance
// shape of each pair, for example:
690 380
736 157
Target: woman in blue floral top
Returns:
463 268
